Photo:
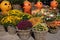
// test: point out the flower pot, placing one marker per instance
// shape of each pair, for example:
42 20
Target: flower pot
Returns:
24 34
40 35
11 30
16 6
53 30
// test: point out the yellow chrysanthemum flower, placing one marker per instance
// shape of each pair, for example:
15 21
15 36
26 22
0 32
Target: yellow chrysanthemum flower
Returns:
10 19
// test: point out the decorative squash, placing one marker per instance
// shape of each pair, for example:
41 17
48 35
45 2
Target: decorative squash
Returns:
27 7
5 6
54 4
39 4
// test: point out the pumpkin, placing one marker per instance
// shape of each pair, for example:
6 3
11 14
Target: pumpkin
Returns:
54 4
36 20
27 7
39 5
5 6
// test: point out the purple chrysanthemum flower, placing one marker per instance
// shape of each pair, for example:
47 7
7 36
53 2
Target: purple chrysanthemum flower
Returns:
24 25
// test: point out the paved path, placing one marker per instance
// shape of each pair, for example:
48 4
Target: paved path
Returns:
49 36
7 36
53 36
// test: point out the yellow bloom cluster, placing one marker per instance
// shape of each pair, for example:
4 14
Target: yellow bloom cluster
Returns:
14 16
15 12
10 19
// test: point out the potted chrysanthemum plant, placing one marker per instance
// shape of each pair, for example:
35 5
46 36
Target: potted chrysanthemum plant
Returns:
52 22
40 30
24 28
10 23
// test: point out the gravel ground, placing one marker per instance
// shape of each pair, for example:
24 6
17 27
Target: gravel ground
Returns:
7 36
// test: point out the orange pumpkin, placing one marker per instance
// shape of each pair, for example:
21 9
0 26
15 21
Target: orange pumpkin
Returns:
5 6
39 5
27 7
54 4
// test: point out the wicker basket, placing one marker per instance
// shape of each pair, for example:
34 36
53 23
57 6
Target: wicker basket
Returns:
24 34
11 30
53 27
40 35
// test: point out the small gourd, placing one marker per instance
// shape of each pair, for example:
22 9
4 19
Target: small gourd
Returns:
54 4
39 5
5 6
27 7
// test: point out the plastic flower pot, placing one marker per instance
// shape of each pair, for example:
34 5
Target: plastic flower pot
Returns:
40 35
24 34
11 30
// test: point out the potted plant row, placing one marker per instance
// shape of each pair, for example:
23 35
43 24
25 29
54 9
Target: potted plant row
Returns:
12 18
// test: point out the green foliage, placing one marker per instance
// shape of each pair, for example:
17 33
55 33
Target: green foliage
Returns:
32 0
58 4
37 14
49 19
26 16
58 1
58 17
